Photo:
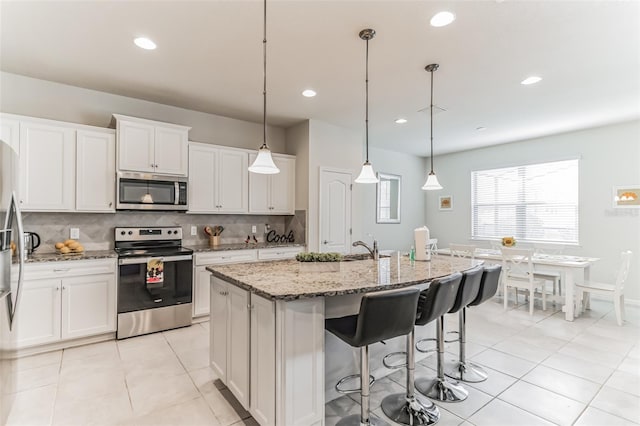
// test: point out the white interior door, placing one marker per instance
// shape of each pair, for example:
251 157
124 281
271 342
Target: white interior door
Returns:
335 211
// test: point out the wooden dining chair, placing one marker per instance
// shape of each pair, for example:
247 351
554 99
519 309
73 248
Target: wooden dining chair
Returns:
462 251
517 272
615 290
552 250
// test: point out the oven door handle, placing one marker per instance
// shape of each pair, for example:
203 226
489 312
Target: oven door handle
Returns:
140 260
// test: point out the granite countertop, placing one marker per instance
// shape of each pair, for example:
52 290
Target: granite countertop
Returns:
282 280
57 257
239 246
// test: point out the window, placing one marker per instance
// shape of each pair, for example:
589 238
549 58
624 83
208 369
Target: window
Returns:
535 202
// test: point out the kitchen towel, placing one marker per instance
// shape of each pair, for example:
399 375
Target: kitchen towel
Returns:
155 271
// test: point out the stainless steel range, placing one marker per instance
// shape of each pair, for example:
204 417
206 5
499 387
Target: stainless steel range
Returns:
154 280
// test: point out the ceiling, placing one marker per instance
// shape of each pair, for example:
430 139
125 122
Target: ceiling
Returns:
209 58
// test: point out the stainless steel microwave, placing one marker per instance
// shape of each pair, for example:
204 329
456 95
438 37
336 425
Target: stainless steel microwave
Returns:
143 191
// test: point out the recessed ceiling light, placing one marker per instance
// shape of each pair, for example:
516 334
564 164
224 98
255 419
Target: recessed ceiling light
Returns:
441 19
401 121
144 43
481 129
309 93
530 80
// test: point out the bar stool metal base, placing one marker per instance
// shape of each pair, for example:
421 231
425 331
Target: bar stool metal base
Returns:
410 411
466 372
355 420
442 390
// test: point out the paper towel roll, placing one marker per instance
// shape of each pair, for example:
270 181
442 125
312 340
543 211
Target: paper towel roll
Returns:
421 237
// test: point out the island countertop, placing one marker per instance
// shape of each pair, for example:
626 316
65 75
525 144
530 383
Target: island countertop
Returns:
283 280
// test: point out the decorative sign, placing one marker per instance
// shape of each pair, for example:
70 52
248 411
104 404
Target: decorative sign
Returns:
272 237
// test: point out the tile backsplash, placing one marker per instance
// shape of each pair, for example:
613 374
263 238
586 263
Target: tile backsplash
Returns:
97 230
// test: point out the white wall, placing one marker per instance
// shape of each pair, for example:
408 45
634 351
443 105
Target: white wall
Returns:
297 143
318 144
340 148
45 99
397 236
609 156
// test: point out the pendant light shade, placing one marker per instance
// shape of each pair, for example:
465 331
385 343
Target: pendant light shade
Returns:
367 175
432 183
263 163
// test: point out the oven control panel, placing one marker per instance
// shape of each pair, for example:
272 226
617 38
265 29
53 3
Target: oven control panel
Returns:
148 234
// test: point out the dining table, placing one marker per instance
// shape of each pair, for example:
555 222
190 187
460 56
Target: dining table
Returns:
572 269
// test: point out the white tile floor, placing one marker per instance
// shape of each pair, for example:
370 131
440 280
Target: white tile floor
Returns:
543 370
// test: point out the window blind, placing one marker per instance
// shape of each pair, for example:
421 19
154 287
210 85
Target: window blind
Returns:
534 202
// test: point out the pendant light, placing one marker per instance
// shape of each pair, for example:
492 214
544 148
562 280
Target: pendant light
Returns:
367 175
432 181
263 164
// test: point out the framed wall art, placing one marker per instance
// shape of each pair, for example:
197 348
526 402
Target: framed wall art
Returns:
446 202
626 197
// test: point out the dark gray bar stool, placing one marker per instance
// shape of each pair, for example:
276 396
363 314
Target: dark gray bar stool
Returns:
463 370
442 388
409 408
383 315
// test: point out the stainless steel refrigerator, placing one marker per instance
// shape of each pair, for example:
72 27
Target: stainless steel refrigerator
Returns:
10 230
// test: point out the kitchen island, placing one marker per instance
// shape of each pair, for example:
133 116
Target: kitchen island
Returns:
267 328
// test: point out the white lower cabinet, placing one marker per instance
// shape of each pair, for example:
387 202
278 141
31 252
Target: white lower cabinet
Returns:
270 354
238 344
66 300
202 277
201 289
201 281
263 361
229 340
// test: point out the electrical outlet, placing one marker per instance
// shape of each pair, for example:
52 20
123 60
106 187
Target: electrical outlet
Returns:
74 233
254 229
194 230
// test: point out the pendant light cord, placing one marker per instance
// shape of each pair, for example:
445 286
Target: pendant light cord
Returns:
264 87
431 125
366 85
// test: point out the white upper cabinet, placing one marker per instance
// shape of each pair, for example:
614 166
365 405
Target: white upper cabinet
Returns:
136 146
48 166
95 171
273 194
218 179
151 146
10 131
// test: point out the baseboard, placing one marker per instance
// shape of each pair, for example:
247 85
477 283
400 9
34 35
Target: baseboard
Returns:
65 344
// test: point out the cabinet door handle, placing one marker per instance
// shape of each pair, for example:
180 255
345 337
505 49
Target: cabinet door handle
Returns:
111 204
57 288
152 165
64 288
250 307
61 270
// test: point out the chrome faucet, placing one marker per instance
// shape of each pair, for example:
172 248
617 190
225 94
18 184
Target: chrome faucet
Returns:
373 252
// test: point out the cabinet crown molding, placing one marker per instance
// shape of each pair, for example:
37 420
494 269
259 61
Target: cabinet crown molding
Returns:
117 117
